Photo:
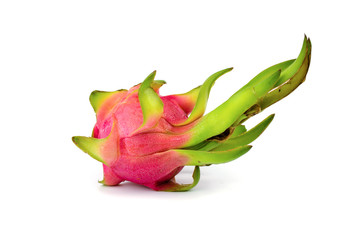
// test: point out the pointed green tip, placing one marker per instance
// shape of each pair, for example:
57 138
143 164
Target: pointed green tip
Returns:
160 82
222 72
91 146
76 139
98 98
157 84
103 182
148 81
293 68
153 74
271 117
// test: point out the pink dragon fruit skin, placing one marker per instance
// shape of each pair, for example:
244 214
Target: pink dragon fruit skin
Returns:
147 139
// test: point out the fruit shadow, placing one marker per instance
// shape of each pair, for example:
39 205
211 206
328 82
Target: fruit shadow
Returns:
211 182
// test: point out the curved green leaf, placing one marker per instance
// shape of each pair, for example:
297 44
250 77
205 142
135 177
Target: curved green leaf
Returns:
290 84
91 146
201 158
151 103
293 68
173 186
105 150
203 96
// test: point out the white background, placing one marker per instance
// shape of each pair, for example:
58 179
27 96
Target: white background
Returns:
301 180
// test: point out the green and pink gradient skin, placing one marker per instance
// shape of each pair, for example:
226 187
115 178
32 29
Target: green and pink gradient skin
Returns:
147 139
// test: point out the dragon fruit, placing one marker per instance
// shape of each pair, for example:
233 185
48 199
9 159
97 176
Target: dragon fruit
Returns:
147 139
